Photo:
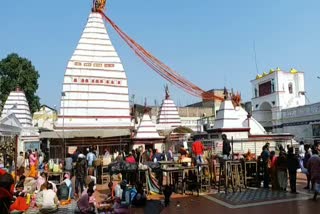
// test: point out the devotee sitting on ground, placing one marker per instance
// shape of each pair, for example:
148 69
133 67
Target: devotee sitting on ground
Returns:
86 202
65 190
6 191
41 180
19 190
130 158
140 198
50 200
110 195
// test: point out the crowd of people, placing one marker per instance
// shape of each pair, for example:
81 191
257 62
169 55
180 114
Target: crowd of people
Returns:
277 166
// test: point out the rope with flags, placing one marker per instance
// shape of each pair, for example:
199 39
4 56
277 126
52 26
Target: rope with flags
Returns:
163 70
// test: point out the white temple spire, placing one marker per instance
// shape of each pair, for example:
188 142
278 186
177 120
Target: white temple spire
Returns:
95 83
168 115
17 104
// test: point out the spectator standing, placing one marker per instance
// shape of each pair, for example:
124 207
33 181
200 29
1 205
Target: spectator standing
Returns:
20 165
198 149
301 150
80 173
313 166
68 164
306 158
226 147
265 155
282 166
91 157
293 165
33 161
170 154
130 158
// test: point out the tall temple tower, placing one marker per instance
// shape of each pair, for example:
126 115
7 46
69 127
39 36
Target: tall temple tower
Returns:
95 86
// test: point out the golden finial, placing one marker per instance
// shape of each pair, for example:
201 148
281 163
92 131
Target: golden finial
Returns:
99 5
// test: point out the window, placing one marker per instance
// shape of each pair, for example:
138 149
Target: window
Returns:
290 88
255 92
265 89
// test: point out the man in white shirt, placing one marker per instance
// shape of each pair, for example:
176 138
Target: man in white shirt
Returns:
301 150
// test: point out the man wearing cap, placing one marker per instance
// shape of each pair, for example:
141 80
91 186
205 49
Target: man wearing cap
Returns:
80 172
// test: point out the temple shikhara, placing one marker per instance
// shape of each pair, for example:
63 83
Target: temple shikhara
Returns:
94 107
17 118
147 134
168 115
95 87
17 104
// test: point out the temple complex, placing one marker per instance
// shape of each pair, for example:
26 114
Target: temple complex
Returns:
240 127
168 117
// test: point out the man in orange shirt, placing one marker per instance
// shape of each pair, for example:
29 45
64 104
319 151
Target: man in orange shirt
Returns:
198 149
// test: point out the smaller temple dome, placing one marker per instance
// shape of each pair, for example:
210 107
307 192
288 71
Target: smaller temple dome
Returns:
17 104
168 114
146 129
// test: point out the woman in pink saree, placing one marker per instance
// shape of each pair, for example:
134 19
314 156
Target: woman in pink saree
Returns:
33 160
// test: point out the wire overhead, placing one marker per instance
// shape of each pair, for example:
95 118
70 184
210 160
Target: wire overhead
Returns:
163 70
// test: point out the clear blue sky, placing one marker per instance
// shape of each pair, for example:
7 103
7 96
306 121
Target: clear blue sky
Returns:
210 42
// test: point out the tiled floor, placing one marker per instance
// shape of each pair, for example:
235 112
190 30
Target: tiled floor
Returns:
254 196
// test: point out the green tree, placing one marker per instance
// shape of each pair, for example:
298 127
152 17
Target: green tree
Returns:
16 71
